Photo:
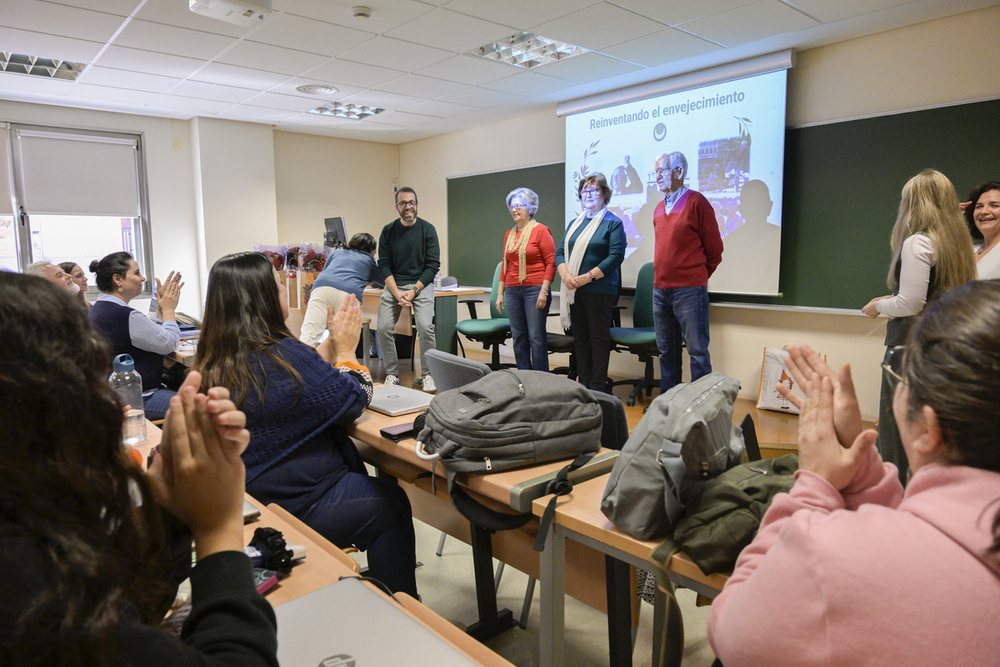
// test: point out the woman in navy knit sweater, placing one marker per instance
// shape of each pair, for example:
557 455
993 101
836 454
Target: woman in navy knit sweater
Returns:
299 402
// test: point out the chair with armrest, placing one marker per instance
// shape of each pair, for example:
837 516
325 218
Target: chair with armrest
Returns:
563 344
491 332
640 338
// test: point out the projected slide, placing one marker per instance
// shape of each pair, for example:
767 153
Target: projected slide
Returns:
733 136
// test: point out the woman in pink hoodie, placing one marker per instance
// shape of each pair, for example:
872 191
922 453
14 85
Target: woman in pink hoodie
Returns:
846 569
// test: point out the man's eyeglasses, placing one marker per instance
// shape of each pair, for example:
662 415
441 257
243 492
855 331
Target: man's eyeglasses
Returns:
895 358
406 204
665 170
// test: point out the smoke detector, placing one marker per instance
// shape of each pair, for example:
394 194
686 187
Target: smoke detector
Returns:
361 12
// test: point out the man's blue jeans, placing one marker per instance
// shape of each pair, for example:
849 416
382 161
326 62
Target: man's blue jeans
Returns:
527 324
677 311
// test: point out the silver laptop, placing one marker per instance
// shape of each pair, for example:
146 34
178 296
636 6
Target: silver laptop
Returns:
394 400
347 623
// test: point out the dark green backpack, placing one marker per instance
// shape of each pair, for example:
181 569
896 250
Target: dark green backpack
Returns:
725 518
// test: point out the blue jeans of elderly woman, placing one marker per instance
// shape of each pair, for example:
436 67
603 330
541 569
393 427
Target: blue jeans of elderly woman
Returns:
527 324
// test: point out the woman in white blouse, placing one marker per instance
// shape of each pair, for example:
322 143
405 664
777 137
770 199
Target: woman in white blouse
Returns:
931 250
984 211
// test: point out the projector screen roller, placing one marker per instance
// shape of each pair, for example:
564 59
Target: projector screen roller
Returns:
733 136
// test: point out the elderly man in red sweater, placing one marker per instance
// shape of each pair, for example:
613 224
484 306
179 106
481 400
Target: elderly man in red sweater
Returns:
687 250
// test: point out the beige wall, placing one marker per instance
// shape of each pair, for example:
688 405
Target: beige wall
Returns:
925 65
321 177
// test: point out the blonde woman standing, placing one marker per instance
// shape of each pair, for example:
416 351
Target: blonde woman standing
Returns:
931 251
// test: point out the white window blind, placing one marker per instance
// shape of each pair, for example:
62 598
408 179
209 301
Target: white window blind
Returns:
79 174
6 207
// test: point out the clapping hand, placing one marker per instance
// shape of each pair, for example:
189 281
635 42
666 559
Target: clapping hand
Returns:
802 362
345 328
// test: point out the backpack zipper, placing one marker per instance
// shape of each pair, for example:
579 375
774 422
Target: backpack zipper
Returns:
489 464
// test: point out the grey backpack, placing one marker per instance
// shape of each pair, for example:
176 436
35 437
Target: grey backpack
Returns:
686 437
508 419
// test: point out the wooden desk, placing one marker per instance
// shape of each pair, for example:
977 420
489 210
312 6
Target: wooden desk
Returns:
325 564
501 491
578 517
777 432
445 314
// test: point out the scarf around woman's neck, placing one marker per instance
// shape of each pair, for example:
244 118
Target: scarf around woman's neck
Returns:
566 295
519 244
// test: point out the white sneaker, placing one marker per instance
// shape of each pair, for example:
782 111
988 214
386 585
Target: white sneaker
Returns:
391 380
429 384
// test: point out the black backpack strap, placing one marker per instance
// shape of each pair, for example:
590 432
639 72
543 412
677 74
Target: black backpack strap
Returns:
481 515
559 486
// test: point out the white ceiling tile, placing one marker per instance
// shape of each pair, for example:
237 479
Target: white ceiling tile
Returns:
440 109
519 14
271 58
59 20
388 52
116 78
480 97
119 7
421 86
169 39
403 118
48 46
295 32
288 88
192 104
598 26
529 84
286 102
749 23
149 62
353 74
214 92
386 14
661 47
587 68
256 114
673 12
172 12
117 95
468 70
456 32
27 83
380 98
828 12
241 77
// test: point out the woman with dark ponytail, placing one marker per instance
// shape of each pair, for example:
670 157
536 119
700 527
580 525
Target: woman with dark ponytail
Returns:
846 569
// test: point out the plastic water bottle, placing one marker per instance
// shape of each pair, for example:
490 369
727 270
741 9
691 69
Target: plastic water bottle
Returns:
128 385
437 281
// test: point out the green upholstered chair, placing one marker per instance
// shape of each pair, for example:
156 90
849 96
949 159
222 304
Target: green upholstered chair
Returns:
491 332
640 338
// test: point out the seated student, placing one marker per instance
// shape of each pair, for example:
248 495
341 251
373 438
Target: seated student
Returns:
348 271
299 402
846 569
130 332
82 533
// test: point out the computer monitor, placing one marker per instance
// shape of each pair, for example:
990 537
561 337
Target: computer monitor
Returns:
336 233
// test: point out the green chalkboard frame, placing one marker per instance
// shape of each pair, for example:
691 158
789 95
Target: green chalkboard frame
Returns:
478 216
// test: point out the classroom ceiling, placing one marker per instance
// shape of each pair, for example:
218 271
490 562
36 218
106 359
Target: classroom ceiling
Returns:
155 57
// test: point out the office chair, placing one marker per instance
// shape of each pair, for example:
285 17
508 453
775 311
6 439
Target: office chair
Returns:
490 332
563 344
640 338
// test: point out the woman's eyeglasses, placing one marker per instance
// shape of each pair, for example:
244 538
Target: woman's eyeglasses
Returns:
590 192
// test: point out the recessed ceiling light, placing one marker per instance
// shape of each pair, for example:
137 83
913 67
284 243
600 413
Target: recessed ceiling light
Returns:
528 50
50 68
317 89
344 110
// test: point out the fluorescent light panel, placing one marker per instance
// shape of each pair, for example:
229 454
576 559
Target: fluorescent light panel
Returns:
50 68
528 50
344 110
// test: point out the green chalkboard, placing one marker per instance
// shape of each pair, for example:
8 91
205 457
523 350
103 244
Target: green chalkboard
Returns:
842 189
478 216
